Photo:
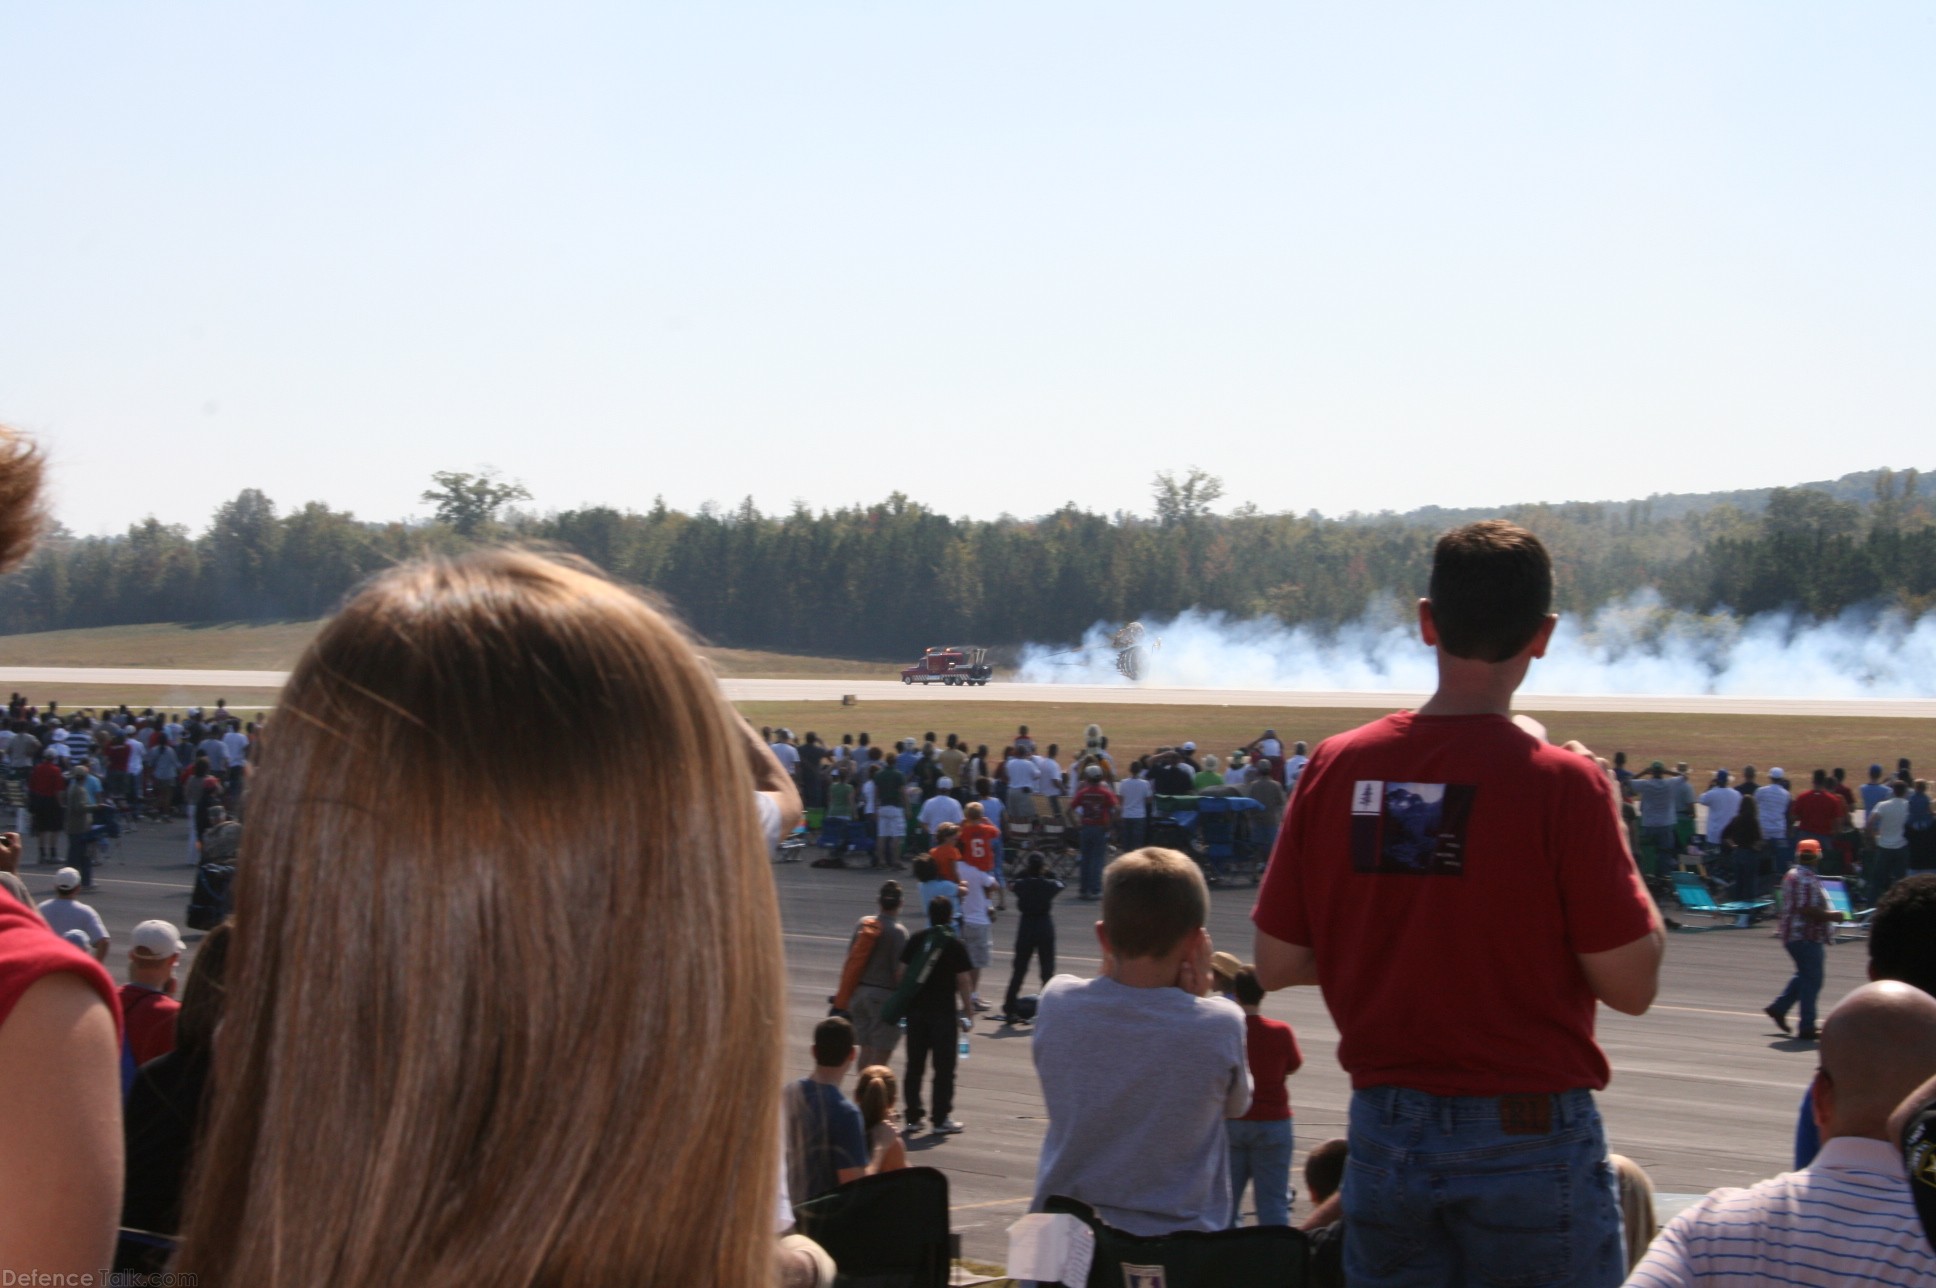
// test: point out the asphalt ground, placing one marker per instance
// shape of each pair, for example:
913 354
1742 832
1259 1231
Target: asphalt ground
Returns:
1704 1091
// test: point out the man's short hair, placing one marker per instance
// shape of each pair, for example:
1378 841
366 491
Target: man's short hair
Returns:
1491 588
1245 988
972 811
1324 1168
890 896
833 1042
940 911
1152 899
1902 934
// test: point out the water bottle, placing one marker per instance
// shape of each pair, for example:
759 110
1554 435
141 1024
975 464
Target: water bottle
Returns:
963 1047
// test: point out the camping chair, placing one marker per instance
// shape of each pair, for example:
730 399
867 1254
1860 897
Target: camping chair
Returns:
1696 898
1853 923
889 1230
1253 1256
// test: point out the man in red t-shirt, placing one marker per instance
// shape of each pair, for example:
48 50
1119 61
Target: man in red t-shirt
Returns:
1094 807
148 1012
980 841
1818 813
1462 892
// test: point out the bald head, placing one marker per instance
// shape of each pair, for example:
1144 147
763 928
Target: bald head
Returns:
1878 1045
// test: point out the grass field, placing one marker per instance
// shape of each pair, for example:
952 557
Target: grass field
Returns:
1796 743
275 646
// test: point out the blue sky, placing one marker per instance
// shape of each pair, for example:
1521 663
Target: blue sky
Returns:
996 256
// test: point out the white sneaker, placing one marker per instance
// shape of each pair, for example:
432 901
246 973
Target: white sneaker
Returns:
979 1004
947 1127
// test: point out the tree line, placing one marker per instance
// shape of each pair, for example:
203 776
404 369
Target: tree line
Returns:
885 580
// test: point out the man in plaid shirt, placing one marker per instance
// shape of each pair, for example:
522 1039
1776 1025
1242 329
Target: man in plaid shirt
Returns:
1804 931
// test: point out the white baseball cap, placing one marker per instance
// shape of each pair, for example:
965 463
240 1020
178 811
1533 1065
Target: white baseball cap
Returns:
67 879
944 784
1189 746
157 939
1776 773
78 938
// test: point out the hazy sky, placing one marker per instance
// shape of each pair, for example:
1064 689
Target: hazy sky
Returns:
998 256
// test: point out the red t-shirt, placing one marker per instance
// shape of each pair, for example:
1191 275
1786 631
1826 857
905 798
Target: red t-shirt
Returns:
118 756
1445 871
1094 805
945 857
150 1019
978 844
29 951
1818 811
1272 1050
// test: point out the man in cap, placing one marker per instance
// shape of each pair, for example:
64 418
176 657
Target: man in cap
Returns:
1804 932
148 1006
65 912
1849 1216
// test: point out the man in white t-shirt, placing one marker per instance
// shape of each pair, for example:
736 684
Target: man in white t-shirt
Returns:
785 752
1294 766
1722 803
1021 787
1886 827
941 807
1133 822
1772 803
1048 781
977 921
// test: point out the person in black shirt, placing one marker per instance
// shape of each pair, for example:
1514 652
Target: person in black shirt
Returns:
944 999
1035 891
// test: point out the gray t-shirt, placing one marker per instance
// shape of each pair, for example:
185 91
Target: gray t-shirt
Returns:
886 957
1138 1083
1658 798
71 914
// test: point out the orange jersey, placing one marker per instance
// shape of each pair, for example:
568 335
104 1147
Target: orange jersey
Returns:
945 857
978 844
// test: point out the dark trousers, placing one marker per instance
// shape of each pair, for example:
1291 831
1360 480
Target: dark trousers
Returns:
931 1034
1035 936
80 854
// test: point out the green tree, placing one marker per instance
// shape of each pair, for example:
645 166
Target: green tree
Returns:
469 501
1185 501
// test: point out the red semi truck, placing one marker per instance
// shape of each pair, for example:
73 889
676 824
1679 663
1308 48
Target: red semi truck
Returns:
950 664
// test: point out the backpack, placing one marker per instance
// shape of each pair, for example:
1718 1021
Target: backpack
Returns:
895 1009
858 954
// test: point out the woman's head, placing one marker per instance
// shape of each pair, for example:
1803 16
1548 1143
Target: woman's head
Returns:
875 1094
502 736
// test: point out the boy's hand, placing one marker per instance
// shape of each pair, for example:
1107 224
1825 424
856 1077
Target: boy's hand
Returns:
1194 975
9 851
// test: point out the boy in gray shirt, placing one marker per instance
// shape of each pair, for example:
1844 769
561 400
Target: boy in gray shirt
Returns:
1140 1066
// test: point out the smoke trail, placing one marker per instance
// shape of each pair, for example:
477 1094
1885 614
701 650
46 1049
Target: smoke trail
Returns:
1636 645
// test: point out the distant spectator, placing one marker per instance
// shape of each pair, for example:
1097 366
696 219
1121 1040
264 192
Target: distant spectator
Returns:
46 785
885 937
1804 932
223 840
890 814
1094 807
1264 789
1722 804
1921 828
941 974
1772 806
1139 1067
1657 799
980 840
1294 765
877 1094
148 1005
941 807
77 820
165 1104
945 853
1847 1217
978 923
931 885
1261 1141
1887 827
826 1141
65 912
1135 792
1035 891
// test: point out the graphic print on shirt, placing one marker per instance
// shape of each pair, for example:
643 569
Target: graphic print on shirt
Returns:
1410 829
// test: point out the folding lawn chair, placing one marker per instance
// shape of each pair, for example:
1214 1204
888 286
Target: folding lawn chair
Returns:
1252 1256
1853 923
889 1230
1697 899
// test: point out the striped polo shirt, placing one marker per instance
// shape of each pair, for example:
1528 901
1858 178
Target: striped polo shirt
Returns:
1847 1218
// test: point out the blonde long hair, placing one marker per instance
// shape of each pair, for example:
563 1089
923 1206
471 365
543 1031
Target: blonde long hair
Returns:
488 924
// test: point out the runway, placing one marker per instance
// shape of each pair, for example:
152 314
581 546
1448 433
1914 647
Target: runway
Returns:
819 690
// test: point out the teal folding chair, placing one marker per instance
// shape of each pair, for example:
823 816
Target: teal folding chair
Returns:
1698 900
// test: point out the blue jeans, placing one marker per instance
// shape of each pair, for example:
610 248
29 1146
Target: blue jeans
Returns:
1806 983
1094 843
1437 1192
1260 1153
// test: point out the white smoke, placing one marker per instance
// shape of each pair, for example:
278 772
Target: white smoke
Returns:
1634 646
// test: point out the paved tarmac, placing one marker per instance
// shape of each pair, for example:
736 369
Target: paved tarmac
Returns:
810 690
1704 1091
